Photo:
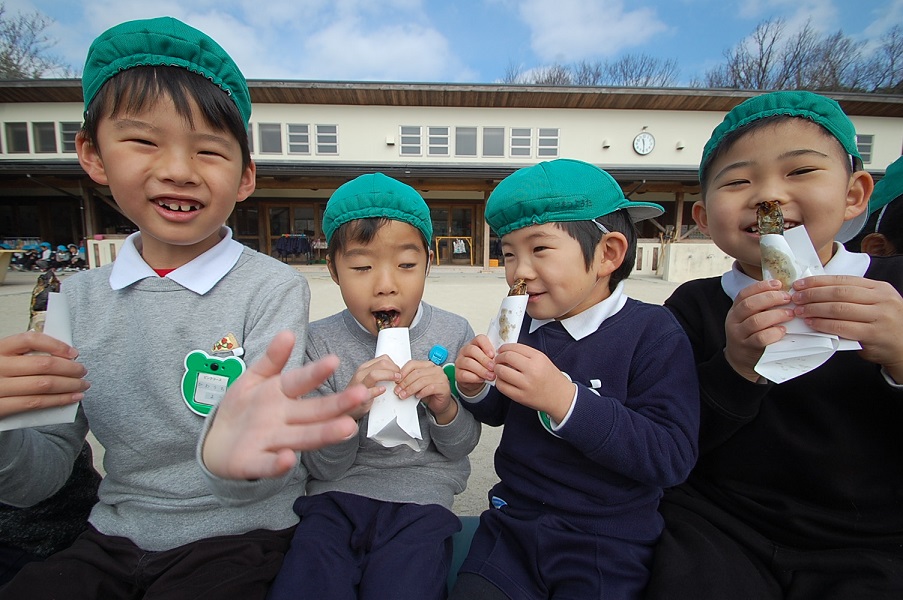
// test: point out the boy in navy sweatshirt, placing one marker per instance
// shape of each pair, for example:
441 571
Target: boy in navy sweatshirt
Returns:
599 397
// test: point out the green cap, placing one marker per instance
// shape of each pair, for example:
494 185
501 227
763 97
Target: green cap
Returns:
376 196
808 105
889 188
163 41
819 109
556 191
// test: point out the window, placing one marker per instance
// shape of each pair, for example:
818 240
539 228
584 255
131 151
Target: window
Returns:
465 141
17 138
270 138
493 141
44 135
438 141
327 139
68 130
521 138
250 138
547 143
298 139
410 140
864 145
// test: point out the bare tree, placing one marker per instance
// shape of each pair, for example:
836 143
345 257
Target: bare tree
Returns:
552 75
883 71
641 70
633 70
25 47
771 58
513 72
589 73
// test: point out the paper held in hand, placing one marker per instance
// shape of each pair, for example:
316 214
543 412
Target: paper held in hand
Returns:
789 257
393 421
56 325
505 327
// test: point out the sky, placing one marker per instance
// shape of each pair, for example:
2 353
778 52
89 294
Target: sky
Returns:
458 41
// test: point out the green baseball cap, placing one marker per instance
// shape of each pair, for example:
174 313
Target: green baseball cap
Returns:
559 190
817 108
376 196
889 188
163 41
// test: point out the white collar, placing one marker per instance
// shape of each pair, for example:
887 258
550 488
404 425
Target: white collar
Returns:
198 275
582 324
842 263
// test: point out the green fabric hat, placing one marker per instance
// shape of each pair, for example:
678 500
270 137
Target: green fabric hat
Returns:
889 188
817 108
376 196
556 191
820 109
163 41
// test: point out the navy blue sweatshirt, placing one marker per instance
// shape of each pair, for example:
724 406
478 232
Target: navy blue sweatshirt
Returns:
605 467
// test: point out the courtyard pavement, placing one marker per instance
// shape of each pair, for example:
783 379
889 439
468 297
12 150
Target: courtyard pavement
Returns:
473 293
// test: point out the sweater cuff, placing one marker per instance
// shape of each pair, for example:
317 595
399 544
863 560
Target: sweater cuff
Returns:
728 392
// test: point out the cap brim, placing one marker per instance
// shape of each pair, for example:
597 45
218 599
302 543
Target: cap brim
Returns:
640 211
851 228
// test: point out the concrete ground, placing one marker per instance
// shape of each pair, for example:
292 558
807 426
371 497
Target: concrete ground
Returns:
472 293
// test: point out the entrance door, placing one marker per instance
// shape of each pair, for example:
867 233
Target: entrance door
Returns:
453 228
291 231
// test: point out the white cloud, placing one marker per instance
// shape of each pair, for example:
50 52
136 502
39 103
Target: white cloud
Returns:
404 52
822 15
570 30
885 17
283 39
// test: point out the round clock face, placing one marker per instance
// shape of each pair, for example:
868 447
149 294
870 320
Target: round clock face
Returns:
643 143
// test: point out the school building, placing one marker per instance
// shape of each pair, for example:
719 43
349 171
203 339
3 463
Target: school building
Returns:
452 142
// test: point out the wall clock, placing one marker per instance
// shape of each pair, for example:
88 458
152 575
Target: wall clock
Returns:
643 143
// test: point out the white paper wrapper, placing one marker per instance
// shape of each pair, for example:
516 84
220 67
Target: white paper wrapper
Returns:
393 421
505 327
778 260
56 325
802 349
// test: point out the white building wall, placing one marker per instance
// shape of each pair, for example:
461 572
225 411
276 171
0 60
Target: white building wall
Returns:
363 132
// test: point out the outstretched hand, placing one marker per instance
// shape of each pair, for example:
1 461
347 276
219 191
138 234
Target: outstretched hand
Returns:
262 420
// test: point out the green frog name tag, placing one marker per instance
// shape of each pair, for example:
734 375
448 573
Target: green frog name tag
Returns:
206 379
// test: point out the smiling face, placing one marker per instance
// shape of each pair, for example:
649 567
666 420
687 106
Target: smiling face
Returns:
386 275
177 183
552 264
793 162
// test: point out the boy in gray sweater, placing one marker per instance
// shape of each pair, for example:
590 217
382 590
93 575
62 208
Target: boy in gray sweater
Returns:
162 333
377 521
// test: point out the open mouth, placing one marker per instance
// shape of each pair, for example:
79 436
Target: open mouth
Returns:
176 207
385 318
787 225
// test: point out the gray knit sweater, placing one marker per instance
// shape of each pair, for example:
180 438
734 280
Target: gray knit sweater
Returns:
133 342
363 467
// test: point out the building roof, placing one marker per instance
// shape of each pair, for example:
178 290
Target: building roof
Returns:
356 93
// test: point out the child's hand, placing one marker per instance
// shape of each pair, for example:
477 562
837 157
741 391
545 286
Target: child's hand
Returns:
34 381
753 322
528 377
262 420
370 373
855 308
474 365
427 382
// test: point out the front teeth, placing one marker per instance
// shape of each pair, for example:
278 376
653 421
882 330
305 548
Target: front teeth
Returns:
177 207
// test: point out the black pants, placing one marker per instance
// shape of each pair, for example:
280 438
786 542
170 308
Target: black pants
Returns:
705 553
101 566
